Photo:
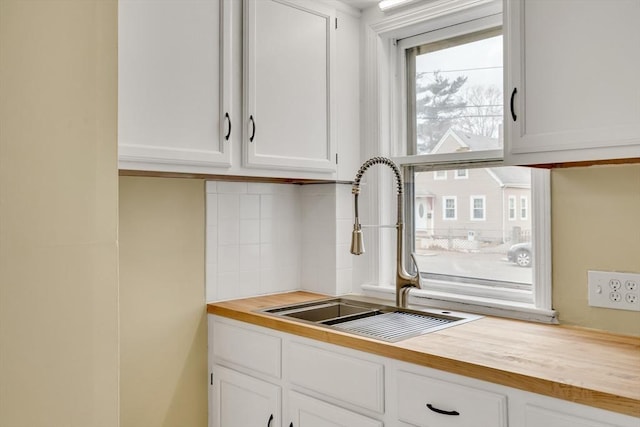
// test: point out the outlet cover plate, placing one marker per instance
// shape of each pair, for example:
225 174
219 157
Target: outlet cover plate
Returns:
615 290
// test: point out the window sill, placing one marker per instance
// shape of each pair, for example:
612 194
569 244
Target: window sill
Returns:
478 305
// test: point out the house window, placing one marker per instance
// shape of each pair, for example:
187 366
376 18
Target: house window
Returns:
512 208
477 208
452 121
524 208
462 173
449 209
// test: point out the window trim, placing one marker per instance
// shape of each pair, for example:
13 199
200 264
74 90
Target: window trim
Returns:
444 208
384 111
465 176
472 208
440 175
513 199
524 207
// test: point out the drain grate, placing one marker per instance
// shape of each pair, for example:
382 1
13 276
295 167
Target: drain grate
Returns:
394 326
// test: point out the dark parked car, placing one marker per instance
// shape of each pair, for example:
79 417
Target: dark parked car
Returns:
520 253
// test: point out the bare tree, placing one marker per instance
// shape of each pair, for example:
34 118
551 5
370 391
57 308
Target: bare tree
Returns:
483 112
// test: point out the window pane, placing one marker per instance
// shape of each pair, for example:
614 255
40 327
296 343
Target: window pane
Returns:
458 99
478 235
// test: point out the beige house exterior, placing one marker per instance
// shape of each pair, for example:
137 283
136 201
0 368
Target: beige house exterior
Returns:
470 208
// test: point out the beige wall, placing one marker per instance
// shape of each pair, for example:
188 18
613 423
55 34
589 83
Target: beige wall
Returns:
58 214
596 226
163 336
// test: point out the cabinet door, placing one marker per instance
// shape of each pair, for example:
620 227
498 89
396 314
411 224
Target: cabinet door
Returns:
572 80
536 416
240 400
173 111
305 411
288 81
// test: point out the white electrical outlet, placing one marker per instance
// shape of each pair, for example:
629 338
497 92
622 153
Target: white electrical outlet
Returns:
611 289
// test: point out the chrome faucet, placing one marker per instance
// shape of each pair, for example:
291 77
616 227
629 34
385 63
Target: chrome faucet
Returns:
404 280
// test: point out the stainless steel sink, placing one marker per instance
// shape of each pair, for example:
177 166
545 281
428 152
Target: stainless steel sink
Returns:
369 318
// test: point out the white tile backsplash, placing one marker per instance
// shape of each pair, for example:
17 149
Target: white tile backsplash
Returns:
262 236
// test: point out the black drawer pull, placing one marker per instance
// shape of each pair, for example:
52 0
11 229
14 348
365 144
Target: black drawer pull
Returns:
226 116
441 411
513 95
253 131
269 422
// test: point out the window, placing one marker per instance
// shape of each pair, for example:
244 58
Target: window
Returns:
462 173
512 208
453 92
524 212
437 94
449 211
477 208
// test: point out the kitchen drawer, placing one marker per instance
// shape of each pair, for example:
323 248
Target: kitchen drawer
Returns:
245 347
346 378
425 401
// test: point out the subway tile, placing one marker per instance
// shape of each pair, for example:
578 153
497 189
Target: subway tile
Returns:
228 258
212 209
226 187
267 257
344 258
229 232
260 188
212 245
211 187
228 285
249 231
249 206
228 206
249 282
211 282
267 227
266 207
249 258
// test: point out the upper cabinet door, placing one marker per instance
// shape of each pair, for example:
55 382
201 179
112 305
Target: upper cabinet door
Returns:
572 80
288 85
173 113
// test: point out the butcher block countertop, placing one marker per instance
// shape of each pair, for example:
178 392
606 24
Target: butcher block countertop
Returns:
591 367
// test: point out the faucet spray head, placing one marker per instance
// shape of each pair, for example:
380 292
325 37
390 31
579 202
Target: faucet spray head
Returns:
357 245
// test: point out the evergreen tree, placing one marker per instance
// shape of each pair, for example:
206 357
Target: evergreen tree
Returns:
438 106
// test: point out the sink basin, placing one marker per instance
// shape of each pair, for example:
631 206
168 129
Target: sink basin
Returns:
369 318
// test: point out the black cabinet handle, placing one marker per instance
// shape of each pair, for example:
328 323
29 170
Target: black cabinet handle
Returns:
253 131
269 422
226 116
290 424
513 95
441 411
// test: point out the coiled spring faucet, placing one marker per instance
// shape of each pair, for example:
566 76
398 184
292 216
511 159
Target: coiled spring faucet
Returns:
404 280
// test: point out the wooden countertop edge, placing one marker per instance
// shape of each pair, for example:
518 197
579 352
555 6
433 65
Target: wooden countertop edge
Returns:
595 398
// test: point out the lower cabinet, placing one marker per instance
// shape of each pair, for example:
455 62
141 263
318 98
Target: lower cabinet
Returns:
240 400
305 411
427 401
263 377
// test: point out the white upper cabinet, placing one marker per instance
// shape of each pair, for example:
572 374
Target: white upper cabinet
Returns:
173 104
289 51
572 91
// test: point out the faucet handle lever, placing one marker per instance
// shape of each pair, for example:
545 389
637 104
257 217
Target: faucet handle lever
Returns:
418 277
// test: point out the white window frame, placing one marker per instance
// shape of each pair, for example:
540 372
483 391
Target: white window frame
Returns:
440 175
512 207
457 175
444 208
524 208
472 209
385 113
